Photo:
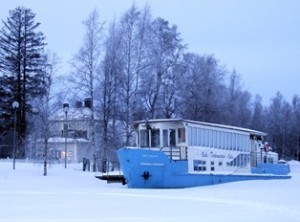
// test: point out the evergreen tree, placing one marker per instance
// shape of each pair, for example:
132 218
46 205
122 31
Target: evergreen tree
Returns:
22 60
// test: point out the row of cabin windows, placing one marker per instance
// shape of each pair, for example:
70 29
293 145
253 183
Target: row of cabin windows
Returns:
200 165
240 161
218 139
168 137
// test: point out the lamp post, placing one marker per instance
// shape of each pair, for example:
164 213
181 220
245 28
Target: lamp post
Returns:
15 106
66 129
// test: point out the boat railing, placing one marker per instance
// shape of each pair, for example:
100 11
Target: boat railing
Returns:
175 152
241 160
260 157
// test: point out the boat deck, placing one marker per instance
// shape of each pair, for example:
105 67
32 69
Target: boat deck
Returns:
113 178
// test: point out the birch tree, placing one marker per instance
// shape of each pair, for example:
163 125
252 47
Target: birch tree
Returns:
237 106
111 70
134 27
203 88
296 126
258 116
166 48
85 70
279 124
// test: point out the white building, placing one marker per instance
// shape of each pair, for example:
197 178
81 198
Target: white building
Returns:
70 131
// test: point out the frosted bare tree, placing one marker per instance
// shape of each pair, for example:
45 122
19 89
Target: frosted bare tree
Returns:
279 124
42 108
134 27
296 125
166 48
111 69
258 115
85 69
237 107
202 88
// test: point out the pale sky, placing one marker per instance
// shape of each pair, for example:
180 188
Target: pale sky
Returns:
259 38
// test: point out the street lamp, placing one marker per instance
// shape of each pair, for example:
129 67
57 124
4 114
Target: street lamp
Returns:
15 106
66 129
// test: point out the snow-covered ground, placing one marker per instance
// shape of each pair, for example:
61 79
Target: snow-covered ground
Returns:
72 195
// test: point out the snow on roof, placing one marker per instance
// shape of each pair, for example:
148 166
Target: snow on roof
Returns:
73 114
63 139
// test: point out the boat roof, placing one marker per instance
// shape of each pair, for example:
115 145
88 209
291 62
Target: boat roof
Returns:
252 132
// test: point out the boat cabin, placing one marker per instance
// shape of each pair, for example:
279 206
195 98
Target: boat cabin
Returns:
207 147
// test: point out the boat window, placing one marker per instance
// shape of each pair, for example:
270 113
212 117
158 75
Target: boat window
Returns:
225 140
155 138
189 136
228 138
192 136
202 141
247 143
238 142
221 140
198 136
144 138
199 165
181 135
230 141
194 139
233 141
165 137
218 137
172 137
242 145
206 137
210 138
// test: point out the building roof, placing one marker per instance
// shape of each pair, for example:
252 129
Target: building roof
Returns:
63 140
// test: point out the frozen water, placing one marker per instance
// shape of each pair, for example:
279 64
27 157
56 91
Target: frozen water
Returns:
72 195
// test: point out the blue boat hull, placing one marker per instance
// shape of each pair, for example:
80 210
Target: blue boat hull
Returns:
143 168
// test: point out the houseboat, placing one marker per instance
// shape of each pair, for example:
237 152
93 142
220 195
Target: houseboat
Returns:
178 153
